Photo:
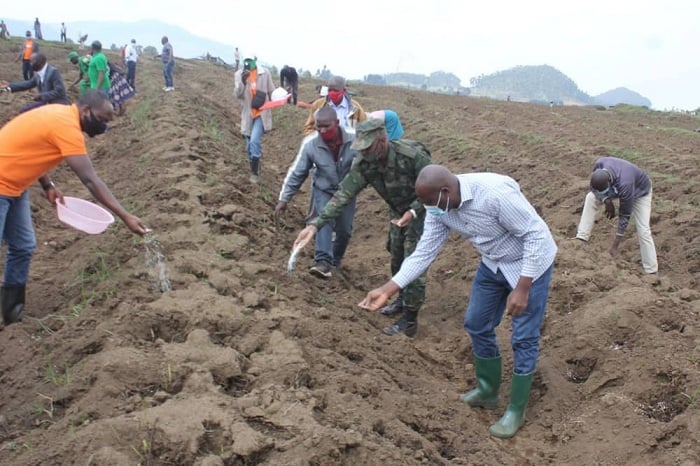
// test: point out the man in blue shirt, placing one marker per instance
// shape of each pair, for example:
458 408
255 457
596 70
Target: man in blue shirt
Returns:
517 256
615 178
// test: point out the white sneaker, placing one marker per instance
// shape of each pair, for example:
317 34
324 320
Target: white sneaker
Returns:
165 88
168 89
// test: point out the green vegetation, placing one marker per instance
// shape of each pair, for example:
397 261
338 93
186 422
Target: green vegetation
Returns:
627 154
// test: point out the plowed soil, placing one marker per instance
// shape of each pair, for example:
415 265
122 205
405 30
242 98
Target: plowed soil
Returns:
243 364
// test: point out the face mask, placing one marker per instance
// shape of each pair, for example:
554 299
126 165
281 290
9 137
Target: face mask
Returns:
600 195
93 127
330 134
336 96
437 211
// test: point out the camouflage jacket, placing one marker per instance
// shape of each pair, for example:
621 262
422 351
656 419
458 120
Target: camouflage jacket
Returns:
395 182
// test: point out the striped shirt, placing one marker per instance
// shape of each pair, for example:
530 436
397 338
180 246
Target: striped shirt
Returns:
498 220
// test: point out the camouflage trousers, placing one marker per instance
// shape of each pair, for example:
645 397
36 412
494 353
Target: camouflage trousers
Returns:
400 244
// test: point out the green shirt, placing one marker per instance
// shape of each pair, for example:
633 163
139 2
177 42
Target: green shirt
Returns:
99 63
394 182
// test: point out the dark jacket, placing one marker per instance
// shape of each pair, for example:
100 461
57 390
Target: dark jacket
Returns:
51 89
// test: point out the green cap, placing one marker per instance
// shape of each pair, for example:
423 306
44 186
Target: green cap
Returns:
249 64
366 132
73 55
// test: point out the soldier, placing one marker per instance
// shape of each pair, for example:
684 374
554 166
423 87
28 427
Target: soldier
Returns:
391 167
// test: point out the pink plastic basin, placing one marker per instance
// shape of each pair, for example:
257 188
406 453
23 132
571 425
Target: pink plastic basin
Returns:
83 215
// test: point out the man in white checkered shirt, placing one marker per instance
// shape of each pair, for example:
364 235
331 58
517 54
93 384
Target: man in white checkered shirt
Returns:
517 252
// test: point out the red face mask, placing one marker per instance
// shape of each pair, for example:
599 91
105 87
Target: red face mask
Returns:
330 134
336 96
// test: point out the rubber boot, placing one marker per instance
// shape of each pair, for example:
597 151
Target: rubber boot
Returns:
488 381
514 417
254 169
395 307
12 303
407 324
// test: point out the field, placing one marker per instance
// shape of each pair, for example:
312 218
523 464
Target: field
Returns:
244 364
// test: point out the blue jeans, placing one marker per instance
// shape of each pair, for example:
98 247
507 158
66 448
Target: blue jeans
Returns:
131 74
254 141
327 249
485 311
18 233
168 73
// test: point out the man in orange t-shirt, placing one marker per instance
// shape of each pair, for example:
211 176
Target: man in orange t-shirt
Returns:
25 54
31 145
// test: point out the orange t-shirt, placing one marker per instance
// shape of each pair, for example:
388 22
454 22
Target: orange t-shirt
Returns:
28 49
36 141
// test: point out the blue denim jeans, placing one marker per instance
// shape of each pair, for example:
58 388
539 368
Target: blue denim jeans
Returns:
254 141
328 249
168 73
18 233
131 74
486 307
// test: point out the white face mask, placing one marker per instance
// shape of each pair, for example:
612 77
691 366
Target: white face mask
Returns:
437 211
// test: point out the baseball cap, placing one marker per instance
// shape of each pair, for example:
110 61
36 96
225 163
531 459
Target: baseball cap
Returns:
366 132
73 55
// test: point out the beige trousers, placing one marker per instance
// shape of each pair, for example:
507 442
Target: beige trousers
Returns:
641 213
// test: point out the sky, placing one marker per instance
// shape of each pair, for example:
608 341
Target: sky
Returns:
650 47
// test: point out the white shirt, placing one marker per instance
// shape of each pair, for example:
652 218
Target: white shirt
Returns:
41 73
342 110
131 53
499 222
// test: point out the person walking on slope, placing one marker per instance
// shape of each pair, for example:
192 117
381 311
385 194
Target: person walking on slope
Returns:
254 86
289 80
168 58
391 168
328 154
131 56
29 46
98 69
517 257
615 178
37 30
32 144
350 113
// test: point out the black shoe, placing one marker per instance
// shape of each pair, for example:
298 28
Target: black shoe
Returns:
322 269
403 325
394 308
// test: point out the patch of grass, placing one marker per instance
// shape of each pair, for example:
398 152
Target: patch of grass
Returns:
628 154
324 299
141 116
678 131
57 377
532 139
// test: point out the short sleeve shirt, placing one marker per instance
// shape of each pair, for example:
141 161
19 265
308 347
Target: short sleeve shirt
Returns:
99 63
34 142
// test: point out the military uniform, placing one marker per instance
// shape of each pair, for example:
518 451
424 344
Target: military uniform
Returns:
395 183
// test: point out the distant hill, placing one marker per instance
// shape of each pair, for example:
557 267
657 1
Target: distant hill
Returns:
622 95
537 84
437 81
146 32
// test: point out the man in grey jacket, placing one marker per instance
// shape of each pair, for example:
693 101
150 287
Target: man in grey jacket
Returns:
327 150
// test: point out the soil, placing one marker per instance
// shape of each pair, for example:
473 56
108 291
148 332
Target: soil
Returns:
242 363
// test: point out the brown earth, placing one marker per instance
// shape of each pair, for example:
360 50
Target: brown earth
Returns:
245 364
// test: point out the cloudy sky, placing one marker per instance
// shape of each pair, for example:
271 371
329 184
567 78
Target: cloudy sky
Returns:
650 47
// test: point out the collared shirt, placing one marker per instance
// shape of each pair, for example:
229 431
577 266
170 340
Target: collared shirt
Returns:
41 73
342 110
499 222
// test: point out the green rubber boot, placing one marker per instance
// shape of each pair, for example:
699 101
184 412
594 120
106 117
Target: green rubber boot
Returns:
488 380
514 417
